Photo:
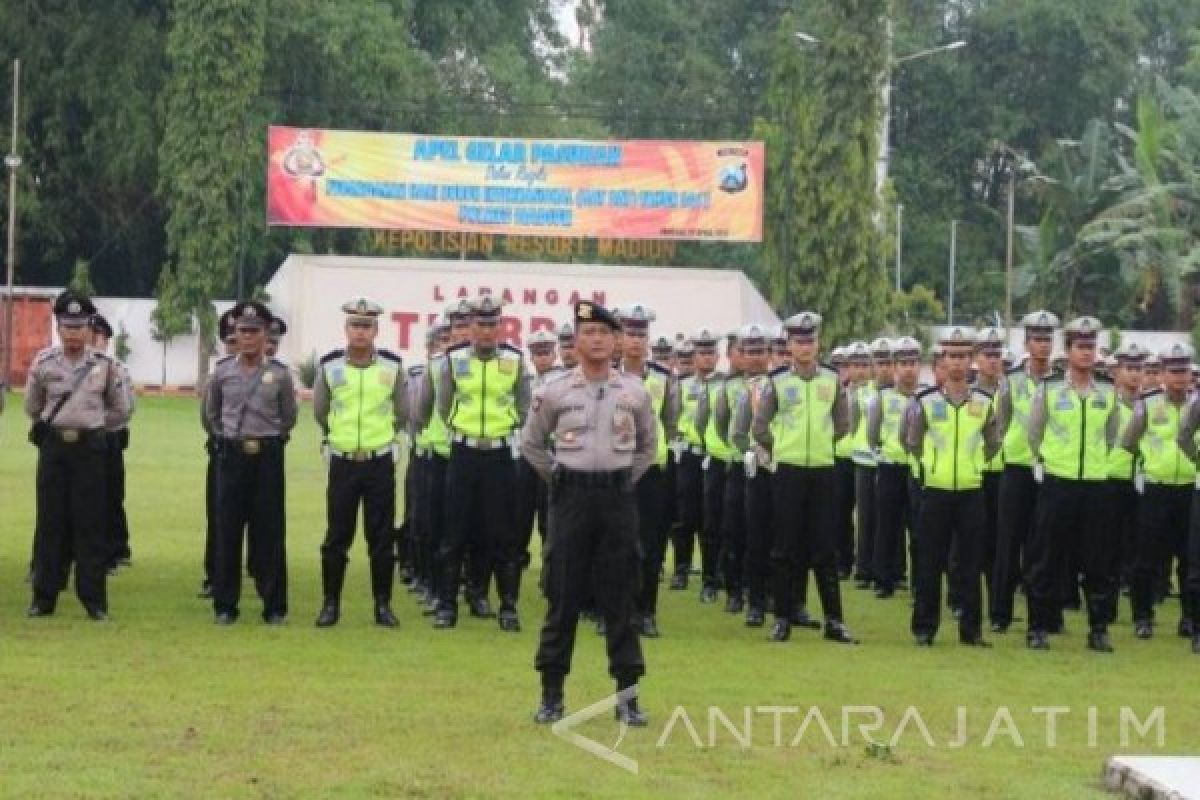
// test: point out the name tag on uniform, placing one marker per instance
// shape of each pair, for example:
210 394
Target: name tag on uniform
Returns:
462 367
1099 402
338 377
268 378
793 394
824 393
939 410
1064 401
894 404
506 366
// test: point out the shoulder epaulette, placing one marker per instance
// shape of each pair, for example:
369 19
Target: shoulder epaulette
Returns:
657 367
279 363
927 392
778 371
47 353
457 347
514 350
389 355
982 391
331 355
415 370
1151 393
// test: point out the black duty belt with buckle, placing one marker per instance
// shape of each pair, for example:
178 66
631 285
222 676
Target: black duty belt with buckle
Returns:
481 442
362 455
253 446
592 480
74 435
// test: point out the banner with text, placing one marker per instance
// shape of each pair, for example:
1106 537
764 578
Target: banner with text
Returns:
542 187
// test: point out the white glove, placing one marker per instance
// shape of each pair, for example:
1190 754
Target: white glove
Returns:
1039 472
704 464
1139 482
326 454
750 462
514 447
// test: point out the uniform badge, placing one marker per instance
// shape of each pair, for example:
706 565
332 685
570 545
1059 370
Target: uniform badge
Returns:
268 378
894 404
824 393
462 368
1064 401
939 410
338 376
506 367
792 394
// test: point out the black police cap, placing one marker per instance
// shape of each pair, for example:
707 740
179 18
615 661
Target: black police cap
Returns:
251 313
99 324
70 306
587 311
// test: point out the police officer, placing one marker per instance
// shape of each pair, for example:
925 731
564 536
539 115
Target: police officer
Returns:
1072 425
689 476
717 460
360 403
862 369
1120 487
953 431
250 405
801 413
886 413
531 489
604 432
1018 490
116 429
989 375
482 396
651 488
843 475
227 330
1161 421
1151 373
566 346
70 393
685 359
275 333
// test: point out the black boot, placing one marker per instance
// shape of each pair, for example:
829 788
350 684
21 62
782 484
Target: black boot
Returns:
1099 642
755 617
1037 640
331 612
836 631
781 631
627 710
508 584
550 709
384 617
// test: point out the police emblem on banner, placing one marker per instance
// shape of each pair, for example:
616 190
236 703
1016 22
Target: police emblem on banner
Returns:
303 159
732 169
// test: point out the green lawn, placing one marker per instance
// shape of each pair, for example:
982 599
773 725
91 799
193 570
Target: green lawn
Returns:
161 703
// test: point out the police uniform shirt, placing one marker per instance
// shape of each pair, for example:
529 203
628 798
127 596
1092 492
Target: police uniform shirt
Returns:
1039 412
703 409
269 400
1189 423
100 394
113 420
597 426
445 389
323 395
768 404
917 425
743 413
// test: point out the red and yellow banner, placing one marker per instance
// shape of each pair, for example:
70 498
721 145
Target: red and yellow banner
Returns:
540 187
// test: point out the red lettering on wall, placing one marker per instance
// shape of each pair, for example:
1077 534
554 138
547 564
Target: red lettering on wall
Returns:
574 299
507 297
542 324
437 294
599 297
510 331
551 297
530 297
404 321
462 292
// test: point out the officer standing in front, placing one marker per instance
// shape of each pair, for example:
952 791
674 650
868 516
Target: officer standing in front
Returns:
689 475
360 402
603 427
1073 423
482 396
802 411
250 406
227 331
70 392
531 489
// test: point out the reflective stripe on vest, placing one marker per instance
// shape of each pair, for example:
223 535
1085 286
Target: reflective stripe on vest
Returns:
952 450
1162 460
689 390
892 405
712 443
484 394
361 416
1021 388
1073 445
1120 460
803 424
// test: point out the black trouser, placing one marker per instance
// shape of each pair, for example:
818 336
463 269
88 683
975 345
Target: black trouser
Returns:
864 512
1071 516
758 538
1164 517
689 504
1018 501
531 507
652 536
411 539
893 517
480 506
733 530
593 543
212 513
946 516
114 481
372 485
432 488
70 521
1121 509
804 537
1190 591
843 514
250 499
987 551
710 536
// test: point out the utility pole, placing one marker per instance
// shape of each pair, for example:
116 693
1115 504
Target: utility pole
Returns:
953 256
1008 256
899 240
12 161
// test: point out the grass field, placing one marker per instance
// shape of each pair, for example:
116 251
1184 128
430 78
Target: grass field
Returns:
162 703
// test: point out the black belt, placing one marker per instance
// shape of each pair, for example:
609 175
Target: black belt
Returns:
76 435
592 480
253 446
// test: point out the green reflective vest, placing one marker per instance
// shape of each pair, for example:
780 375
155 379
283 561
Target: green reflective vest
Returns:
436 434
1021 389
1074 446
712 442
952 449
892 406
1162 460
655 382
861 449
802 427
1120 461
361 414
996 462
484 392
690 389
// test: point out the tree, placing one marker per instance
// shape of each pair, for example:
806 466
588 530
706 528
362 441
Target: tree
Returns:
216 54
823 247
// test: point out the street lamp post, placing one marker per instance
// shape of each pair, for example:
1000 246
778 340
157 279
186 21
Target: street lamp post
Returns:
899 240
